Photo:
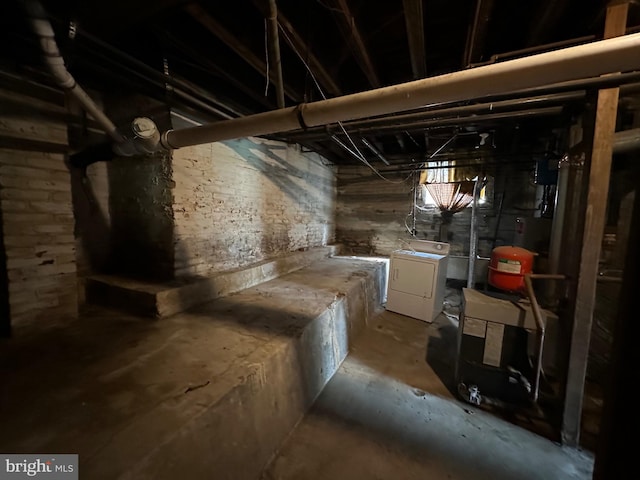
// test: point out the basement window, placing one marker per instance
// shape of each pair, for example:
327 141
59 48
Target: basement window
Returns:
458 181
428 201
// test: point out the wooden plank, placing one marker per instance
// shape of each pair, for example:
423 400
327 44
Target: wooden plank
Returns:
414 20
215 69
595 216
478 33
235 44
297 44
274 51
353 37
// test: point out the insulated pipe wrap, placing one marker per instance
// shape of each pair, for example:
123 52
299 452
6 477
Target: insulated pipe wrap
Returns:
619 54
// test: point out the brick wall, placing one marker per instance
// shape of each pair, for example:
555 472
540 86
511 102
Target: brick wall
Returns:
141 216
372 214
37 214
242 201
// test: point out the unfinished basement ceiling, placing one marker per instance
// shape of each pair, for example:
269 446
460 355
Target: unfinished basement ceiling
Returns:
209 61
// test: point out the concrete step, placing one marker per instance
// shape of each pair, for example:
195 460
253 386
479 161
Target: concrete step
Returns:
388 413
209 393
168 298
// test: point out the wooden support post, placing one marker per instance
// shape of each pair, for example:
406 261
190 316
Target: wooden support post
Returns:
595 213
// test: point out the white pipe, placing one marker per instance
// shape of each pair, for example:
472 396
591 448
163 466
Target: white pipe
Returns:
42 28
626 141
619 54
473 236
537 315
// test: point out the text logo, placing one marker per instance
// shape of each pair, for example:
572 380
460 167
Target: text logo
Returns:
49 467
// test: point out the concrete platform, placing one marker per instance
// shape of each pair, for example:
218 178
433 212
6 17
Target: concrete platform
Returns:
388 414
210 393
168 298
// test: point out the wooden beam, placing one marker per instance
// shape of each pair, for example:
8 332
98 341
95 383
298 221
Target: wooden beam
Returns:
545 20
215 69
478 32
594 223
302 49
274 51
351 33
235 44
297 44
413 16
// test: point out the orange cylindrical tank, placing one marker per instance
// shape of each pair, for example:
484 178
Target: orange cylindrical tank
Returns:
508 267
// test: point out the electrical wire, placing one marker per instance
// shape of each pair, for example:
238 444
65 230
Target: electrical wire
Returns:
330 8
357 151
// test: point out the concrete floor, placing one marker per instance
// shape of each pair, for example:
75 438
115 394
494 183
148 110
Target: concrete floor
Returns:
387 413
209 393
213 392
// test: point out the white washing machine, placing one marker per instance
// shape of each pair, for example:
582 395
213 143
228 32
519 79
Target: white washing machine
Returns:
417 278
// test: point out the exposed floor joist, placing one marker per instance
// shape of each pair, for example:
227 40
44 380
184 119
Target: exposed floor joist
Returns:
216 28
413 15
303 50
478 32
353 37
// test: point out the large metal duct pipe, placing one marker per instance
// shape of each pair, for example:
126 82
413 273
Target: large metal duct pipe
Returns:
618 54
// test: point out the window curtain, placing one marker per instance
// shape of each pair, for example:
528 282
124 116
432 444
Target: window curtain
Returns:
451 188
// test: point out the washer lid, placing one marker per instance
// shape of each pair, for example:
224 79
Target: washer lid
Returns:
421 256
428 246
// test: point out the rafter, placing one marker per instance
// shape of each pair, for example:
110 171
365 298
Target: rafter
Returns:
229 39
274 51
546 20
214 68
351 33
301 48
413 16
478 32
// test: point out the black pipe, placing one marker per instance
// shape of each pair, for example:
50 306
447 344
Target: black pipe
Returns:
422 166
432 123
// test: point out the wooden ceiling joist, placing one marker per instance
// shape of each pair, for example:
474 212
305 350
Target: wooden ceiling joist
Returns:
415 32
353 37
302 49
235 44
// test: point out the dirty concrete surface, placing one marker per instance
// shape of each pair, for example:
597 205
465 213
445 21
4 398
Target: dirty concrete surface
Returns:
216 392
209 393
389 413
